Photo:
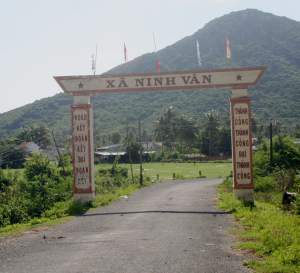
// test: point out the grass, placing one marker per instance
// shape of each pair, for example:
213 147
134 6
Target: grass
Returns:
64 211
181 170
272 234
36 223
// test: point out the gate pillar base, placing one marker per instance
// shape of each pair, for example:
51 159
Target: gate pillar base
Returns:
245 195
84 197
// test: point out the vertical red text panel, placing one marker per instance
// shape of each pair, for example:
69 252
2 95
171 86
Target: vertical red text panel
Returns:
81 146
241 142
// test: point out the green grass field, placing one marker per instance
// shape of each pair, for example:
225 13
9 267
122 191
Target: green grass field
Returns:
181 170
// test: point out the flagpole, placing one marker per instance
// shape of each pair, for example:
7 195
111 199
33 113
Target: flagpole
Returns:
228 52
154 42
94 61
125 53
157 62
96 55
198 54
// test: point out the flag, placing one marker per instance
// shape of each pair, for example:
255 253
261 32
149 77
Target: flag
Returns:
228 50
157 66
198 54
125 53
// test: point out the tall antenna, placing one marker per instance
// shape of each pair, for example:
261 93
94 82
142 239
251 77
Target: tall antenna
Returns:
94 61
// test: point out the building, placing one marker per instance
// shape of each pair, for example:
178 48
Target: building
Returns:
29 147
110 152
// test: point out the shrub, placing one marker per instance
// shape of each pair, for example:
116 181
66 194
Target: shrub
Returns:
4 216
119 171
13 206
44 185
5 181
296 205
108 179
265 184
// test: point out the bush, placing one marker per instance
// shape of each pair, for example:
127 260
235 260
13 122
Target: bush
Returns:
119 171
265 184
285 164
13 205
296 205
44 186
5 181
108 179
4 216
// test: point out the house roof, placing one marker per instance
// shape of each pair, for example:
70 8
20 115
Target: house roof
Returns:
110 153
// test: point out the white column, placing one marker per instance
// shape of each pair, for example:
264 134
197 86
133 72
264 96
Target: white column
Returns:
83 149
241 136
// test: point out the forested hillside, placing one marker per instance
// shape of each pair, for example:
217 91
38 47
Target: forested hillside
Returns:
257 38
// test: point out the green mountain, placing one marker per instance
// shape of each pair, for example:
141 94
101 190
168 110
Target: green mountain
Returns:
257 38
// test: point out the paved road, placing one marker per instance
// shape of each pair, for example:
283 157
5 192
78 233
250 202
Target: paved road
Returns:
171 227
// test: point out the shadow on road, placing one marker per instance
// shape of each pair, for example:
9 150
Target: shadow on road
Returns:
157 211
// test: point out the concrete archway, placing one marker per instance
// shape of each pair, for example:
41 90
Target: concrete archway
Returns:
238 80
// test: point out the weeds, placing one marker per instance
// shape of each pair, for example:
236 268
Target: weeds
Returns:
271 233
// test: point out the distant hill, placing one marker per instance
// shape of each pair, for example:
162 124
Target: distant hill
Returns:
257 38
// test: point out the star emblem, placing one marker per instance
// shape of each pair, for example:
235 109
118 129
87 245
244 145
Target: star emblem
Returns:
239 77
80 85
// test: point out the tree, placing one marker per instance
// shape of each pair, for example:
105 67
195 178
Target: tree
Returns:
285 164
38 134
11 156
225 141
132 149
297 131
173 129
209 135
115 138
186 131
165 130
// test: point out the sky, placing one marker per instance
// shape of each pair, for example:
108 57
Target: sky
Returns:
45 38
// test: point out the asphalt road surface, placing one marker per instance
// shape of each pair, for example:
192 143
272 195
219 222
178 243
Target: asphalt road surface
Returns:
170 227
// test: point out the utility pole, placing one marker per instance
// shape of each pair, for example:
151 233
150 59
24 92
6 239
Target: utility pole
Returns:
60 160
129 153
209 139
271 143
141 156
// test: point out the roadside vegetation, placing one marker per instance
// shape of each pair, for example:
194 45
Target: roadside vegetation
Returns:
270 229
42 192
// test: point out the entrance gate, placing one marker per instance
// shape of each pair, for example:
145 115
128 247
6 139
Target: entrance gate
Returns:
238 80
